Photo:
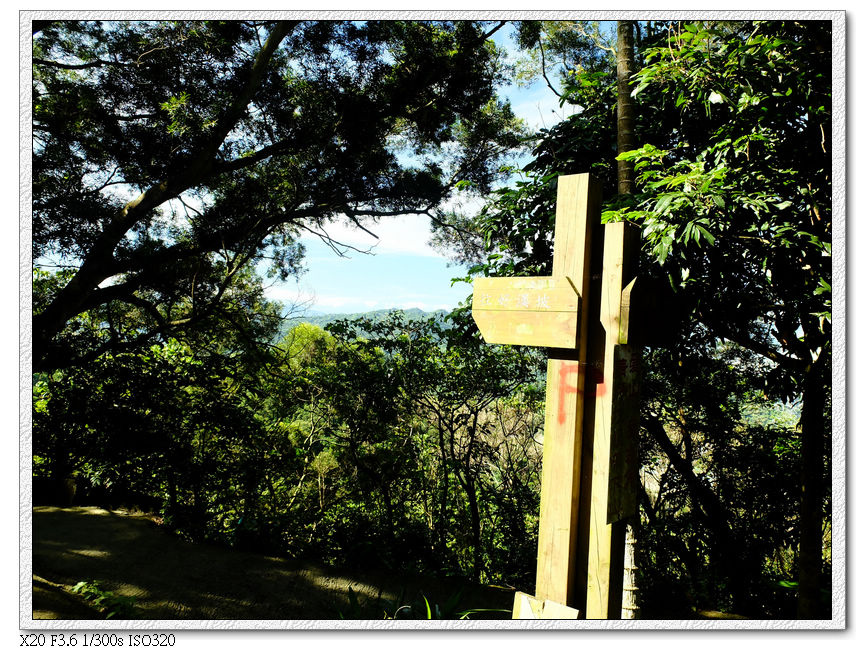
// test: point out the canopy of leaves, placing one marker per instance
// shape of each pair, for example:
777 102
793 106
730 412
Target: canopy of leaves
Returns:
734 180
733 198
739 208
169 156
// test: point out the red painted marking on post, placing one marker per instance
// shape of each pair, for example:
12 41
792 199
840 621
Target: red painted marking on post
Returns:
597 378
565 388
596 386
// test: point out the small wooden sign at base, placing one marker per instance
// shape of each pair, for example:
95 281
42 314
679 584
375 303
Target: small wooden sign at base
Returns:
529 607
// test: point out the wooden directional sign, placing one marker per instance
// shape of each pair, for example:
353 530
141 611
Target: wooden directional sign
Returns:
583 313
527 311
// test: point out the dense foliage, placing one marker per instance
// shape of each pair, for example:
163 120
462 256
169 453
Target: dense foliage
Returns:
410 446
733 165
164 378
169 157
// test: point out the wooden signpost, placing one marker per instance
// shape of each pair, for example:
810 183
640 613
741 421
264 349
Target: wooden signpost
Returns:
588 484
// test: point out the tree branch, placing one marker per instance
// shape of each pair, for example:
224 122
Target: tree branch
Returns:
501 24
544 68
723 330
97 63
253 158
97 264
710 506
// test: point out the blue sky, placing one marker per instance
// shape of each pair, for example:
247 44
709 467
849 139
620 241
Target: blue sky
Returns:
402 270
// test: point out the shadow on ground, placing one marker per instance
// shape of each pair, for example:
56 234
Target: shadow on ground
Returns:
172 579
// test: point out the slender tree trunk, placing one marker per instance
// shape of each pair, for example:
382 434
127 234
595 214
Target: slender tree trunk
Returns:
441 528
630 609
389 514
811 505
475 514
172 493
625 103
625 142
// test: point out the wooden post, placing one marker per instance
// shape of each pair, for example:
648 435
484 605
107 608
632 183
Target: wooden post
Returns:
577 211
616 416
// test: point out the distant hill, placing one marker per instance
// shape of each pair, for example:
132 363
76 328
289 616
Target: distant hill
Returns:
321 320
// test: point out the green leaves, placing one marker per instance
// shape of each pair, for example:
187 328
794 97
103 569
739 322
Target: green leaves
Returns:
727 182
108 603
693 230
177 107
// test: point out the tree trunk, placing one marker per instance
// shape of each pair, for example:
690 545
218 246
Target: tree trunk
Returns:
389 514
442 523
475 514
625 103
630 609
625 142
811 505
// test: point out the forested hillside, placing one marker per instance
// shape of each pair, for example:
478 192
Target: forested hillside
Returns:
377 316
171 160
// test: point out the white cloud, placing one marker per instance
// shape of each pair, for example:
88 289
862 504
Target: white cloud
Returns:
405 235
282 293
355 303
305 298
294 299
334 302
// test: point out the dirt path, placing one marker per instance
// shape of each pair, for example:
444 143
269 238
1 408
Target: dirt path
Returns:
172 579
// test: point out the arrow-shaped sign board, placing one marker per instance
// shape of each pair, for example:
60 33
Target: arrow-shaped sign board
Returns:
540 312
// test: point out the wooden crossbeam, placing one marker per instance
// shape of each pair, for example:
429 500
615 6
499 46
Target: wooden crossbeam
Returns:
540 312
